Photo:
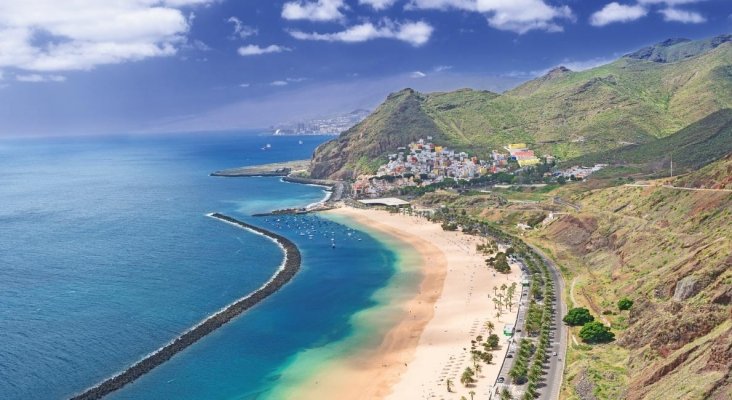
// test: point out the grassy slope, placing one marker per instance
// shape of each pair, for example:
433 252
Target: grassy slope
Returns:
571 113
696 145
396 122
640 243
717 175
563 113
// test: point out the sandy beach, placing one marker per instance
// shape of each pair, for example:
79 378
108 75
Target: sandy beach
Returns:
431 342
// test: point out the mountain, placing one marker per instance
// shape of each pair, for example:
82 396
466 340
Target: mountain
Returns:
397 122
636 99
673 50
690 148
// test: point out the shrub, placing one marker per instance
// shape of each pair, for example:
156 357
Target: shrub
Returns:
625 304
596 332
578 316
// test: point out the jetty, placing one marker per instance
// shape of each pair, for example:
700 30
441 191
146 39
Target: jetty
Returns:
290 267
274 169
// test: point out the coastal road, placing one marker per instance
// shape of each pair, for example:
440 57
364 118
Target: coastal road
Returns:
679 188
555 373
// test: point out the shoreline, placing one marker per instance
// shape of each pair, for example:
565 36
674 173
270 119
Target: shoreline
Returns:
359 367
287 270
424 332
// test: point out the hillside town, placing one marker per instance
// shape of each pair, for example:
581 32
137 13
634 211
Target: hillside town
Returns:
424 163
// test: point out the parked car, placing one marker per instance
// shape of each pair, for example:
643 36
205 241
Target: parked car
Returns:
554 354
501 379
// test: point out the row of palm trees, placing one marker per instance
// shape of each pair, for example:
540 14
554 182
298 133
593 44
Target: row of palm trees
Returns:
505 297
532 357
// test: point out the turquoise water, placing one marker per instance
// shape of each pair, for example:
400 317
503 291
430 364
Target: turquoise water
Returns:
106 255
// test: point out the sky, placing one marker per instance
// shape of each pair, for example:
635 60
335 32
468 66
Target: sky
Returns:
79 67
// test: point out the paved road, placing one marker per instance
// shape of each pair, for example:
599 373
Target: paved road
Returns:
559 343
679 188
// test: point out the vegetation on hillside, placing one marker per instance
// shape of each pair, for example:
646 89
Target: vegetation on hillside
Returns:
690 148
633 100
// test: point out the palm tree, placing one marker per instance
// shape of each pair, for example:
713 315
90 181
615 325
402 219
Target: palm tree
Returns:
449 385
475 357
472 394
489 325
467 377
494 290
504 287
498 315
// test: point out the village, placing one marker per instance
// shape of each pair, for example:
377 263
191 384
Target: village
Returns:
423 164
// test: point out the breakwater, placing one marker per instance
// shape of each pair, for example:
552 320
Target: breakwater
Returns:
290 266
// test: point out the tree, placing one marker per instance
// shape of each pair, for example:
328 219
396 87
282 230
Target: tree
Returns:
494 290
625 304
472 394
449 385
506 395
467 377
596 332
501 263
578 316
490 327
475 357
492 341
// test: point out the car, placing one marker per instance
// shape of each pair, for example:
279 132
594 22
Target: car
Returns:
554 354
509 355
501 379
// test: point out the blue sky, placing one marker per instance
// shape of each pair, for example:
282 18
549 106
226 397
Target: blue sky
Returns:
89 66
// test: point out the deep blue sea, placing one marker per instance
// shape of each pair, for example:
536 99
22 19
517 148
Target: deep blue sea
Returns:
106 255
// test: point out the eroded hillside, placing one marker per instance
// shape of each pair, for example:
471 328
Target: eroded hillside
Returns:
670 251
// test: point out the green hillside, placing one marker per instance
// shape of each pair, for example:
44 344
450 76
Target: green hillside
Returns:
692 147
396 122
637 99
717 175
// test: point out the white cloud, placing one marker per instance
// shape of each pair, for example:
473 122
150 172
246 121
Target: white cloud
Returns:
518 16
442 68
669 2
414 33
615 12
320 10
417 74
35 78
686 17
244 85
52 35
278 83
241 31
378 4
254 50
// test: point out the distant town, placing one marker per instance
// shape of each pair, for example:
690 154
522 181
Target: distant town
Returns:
424 164
321 126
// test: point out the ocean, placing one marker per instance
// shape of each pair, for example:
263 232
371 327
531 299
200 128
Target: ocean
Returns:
106 254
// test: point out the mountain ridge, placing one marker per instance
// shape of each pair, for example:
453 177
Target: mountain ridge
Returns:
563 113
